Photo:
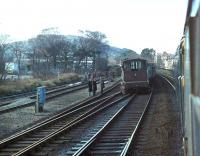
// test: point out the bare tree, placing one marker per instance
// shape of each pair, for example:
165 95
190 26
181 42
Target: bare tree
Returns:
65 49
18 50
97 46
33 56
82 52
148 54
3 47
40 57
160 62
54 45
50 53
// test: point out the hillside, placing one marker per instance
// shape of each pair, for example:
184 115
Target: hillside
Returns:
116 54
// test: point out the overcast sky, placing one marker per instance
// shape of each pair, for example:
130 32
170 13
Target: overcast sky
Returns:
133 24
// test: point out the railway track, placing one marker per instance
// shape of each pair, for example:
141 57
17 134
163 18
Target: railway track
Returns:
22 94
50 92
170 80
157 134
26 141
82 133
118 134
50 96
142 134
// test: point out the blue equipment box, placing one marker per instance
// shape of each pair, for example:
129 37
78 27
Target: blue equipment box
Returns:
41 93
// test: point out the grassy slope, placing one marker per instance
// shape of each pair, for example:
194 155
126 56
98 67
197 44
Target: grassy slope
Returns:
16 86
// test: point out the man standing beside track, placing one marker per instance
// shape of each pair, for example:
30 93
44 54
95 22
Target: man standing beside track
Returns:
89 84
94 84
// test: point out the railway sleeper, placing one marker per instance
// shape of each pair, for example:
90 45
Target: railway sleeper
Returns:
103 152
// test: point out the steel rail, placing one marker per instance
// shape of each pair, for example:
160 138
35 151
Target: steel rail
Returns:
169 77
49 97
69 126
93 139
88 144
49 90
34 92
49 93
133 135
56 117
10 108
166 79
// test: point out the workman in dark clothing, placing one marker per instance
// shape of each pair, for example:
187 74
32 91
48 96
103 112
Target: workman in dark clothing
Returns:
89 87
89 84
94 86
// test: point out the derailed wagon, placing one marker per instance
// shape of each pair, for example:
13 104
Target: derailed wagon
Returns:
137 74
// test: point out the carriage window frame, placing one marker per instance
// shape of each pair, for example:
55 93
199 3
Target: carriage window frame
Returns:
134 65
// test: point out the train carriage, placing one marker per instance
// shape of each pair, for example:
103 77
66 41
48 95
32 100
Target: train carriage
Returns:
189 80
137 74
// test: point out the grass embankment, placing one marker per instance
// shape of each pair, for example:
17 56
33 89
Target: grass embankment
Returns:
8 87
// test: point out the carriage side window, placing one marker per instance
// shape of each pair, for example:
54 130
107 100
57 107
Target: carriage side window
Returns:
127 65
136 65
133 65
139 65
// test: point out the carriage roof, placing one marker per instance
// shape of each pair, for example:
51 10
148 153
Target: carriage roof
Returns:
130 59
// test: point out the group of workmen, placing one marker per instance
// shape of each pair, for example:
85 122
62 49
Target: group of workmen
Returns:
92 84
